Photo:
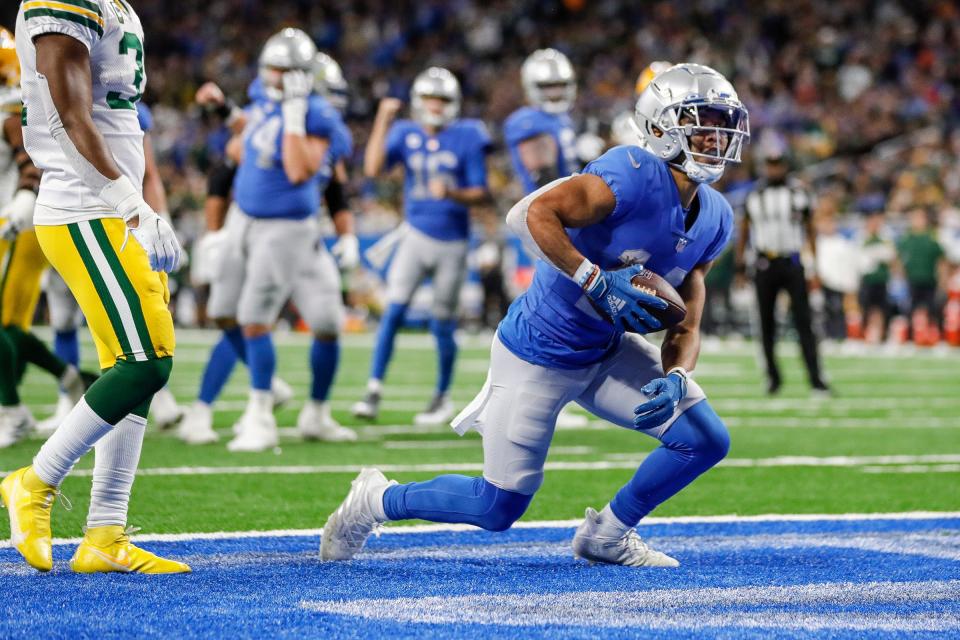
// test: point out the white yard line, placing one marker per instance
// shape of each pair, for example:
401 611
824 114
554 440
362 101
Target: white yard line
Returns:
542 524
615 461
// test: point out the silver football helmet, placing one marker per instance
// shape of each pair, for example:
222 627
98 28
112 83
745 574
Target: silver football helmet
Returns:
287 49
687 100
329 82
435 82
549 80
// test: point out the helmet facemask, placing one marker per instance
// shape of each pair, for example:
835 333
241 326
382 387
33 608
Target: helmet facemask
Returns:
690 116
549 81
290 49
440 84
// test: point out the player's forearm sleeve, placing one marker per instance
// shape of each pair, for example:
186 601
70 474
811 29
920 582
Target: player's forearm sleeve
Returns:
517 221
335 197
220 180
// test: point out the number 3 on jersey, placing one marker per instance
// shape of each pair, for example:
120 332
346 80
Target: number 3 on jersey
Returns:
129 42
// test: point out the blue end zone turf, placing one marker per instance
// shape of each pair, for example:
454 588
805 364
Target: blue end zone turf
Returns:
836 578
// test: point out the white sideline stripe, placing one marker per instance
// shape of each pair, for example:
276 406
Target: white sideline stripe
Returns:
723 607
116 292
539 524
630 462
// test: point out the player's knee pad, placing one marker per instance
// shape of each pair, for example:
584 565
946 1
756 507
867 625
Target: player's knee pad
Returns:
503 507
700 432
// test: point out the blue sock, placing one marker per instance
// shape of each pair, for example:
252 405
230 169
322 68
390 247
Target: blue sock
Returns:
695 442
324 358
223 358
262 361
67 347
389 325
454 498
446 351
235 336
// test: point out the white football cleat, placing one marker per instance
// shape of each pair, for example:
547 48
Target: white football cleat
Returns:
15 423
570 420
629 550
282 393
355 519
316 423
48 425
368 408
439 411
197 425
258 426
164 410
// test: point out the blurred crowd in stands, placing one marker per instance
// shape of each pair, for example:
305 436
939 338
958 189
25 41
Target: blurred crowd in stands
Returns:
863 95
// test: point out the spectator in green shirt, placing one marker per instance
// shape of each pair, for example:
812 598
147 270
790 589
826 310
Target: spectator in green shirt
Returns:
877 254
922 259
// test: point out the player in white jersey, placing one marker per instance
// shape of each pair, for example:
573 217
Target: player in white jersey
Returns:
82 74
22 263
65 316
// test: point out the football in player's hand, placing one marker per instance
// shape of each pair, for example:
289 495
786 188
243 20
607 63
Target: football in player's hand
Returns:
649 282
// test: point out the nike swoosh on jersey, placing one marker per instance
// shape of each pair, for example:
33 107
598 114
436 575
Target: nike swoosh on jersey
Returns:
633 161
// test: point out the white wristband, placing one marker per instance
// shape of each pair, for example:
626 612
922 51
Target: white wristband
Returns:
122 196
583 272
294 116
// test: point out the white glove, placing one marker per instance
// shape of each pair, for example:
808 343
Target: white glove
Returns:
297 86
347 251
17 215
208 254
152 232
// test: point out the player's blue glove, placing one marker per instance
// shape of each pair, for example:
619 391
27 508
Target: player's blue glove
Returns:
615 296
665 394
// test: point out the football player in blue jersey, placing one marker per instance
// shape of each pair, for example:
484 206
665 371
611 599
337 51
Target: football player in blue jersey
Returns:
444 160
541 138
574 335
316 291
290 135
540 135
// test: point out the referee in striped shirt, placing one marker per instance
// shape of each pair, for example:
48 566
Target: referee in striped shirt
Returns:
778 218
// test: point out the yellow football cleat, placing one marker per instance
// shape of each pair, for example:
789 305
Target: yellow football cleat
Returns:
29 500
106 549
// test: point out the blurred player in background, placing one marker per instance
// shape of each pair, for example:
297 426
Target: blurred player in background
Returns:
65 316
22 264
291 141
541 137
623 129
318 286
113 251
574 334
444 161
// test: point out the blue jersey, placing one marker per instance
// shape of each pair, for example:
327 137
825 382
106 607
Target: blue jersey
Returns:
456 155
261 187
144 117
529 122
554 324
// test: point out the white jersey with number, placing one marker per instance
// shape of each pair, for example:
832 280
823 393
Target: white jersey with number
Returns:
111 30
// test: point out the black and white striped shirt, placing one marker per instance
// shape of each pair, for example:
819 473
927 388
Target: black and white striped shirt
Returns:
777 214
